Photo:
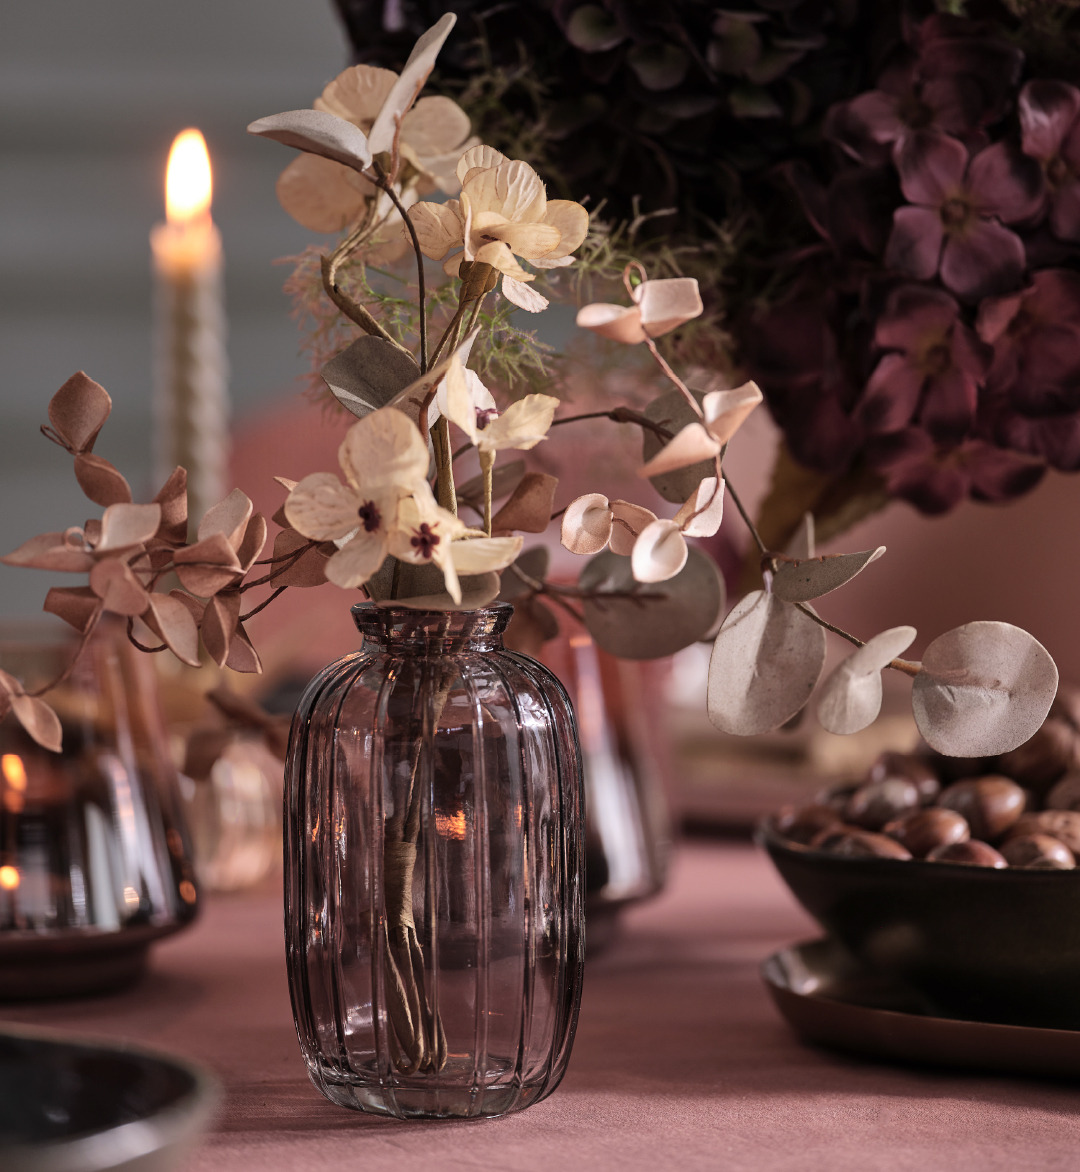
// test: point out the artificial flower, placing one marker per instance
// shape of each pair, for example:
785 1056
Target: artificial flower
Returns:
592 523
503 213
722 414
1050 125
522 425
955 221
423 535
384 460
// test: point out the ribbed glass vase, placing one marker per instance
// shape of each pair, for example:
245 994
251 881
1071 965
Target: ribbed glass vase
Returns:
434 870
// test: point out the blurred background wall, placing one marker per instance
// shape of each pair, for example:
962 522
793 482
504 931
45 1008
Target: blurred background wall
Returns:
93 94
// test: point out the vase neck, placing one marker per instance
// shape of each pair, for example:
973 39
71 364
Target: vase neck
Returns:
396 629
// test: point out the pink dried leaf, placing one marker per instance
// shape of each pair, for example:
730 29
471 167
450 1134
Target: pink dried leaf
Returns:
404 92
39 721
174 508
101 481
172 620
765 663
242 654
530 505
726 411
118 588
586 524
78 606
228 517
984 689
627 522
50 551
78 411
659 553
207 566
691 445
124 526
318 133
219 624
802 581
308 570
254 540
850 698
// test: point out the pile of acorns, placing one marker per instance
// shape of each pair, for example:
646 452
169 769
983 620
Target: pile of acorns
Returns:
1021 809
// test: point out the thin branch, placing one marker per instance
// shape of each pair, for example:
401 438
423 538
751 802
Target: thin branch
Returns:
90 629
262 605
827 625
686 392
620 415
746 518
387 186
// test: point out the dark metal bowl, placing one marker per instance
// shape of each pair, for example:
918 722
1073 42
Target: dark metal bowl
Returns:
80 1106
981 944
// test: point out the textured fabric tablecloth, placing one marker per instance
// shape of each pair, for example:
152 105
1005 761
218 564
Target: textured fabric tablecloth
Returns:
680 1063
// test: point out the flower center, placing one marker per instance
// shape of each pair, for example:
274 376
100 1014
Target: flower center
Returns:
425 540
484 415
955 213
370 515
1058 171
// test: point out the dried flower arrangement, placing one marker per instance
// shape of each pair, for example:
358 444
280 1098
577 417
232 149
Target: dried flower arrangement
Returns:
369 150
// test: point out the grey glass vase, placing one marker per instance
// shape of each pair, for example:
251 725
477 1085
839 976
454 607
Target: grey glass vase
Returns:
434 870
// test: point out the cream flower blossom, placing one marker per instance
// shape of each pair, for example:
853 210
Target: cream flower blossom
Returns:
385 461
659 307
503 213
522 425
326 196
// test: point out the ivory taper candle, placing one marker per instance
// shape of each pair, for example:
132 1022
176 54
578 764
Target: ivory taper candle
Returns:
191 408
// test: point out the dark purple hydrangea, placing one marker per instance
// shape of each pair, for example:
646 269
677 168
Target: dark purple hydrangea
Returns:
1050 125
933 369
954 224
1032 399
937 477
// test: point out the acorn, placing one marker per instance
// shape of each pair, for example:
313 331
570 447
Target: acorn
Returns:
876 802
911 766
991 804
927 829
1043 757
972 853
1038 852
803 824
853 843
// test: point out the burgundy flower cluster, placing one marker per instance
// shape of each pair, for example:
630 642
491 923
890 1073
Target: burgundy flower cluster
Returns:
934 334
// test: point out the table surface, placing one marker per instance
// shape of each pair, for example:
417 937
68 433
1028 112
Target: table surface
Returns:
681 1061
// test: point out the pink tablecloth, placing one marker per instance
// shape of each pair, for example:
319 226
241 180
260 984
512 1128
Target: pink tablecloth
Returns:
681 1061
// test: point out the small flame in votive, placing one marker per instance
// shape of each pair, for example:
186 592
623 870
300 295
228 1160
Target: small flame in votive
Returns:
9 877
188 184
14 771
451 825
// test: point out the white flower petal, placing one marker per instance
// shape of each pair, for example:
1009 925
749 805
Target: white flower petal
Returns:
522 425
358 93
620 323
523 296
572 220
322 508
478 555
384 450
667 304
479 158
356 561
512 189
726 411
704 510
659 553
439 227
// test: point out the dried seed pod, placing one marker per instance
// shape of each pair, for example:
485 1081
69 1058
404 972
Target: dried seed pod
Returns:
853 843
1043 758
911 766
927 829
972 853
991 804
1038 851
876 802
803 824
1066 794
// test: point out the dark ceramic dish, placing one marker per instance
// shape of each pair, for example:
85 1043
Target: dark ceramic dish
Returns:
976 943
830 999
68 1106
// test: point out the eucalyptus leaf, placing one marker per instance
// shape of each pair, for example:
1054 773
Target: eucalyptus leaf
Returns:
765 663
78 411
318 133
800 581
659 619
673 412
984 689
851 696
504 480
533 563
530 505
368 374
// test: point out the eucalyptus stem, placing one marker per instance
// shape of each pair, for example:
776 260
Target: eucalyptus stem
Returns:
445 491
487 466
388 187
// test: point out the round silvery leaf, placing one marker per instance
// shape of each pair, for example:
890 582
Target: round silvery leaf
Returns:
984 689
851 696
661 618
803 580
765 663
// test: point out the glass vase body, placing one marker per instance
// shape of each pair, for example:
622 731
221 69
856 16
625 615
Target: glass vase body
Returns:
434 870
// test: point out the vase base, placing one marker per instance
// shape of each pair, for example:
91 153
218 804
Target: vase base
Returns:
449 1095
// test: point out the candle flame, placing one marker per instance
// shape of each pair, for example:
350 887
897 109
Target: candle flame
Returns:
9 877
188 183
14 771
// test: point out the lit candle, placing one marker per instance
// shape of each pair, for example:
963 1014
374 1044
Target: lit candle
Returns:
191 395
